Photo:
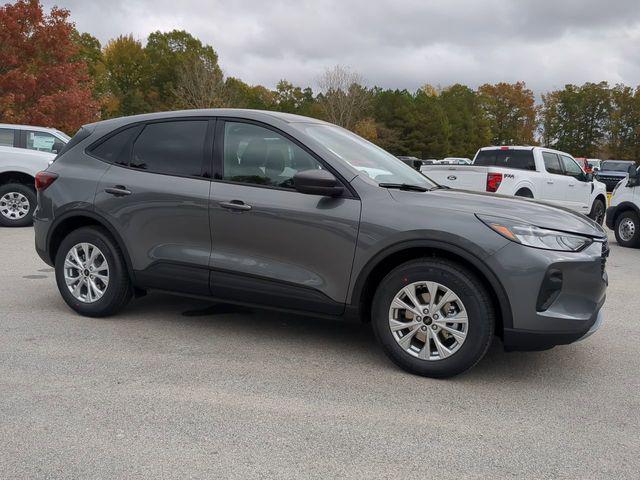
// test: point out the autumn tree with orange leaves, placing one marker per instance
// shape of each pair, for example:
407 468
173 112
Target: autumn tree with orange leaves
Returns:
41 80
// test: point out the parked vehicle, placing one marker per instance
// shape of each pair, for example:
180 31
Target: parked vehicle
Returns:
623 214
455 161
530 172
24 151
287 212
413 162
584 164
594 163
612 172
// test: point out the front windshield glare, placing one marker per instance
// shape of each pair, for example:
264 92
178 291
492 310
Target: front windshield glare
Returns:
364 156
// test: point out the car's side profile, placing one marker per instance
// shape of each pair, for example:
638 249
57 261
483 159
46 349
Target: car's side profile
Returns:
295 214
24 151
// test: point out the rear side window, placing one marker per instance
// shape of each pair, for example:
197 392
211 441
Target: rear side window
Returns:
117 148
519 159
83 133
174 148
552 163
6 137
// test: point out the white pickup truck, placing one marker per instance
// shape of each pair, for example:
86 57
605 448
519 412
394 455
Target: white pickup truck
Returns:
24 151
531 172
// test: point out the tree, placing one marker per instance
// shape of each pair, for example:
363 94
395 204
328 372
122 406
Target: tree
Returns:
511 113
292 99
42 81
575 119
198 85
242 95
344 99
170 55
467 120
128 76
624 125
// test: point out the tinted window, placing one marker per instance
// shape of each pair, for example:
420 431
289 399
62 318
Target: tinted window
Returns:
83 133
117 148
520 159
257 155
6 137
175 148
41 141
571 168
616 166
552 163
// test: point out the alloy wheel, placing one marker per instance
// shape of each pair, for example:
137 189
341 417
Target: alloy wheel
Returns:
14 205
86 272
627 229
428 320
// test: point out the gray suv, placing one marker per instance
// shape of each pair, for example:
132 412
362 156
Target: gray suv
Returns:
295 214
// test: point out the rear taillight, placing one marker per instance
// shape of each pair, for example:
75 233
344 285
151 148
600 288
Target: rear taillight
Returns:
44 179
493 181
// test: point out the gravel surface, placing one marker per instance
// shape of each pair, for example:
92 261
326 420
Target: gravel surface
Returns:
170 389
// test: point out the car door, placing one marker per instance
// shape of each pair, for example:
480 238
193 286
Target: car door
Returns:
578 193
271 244
156 196
555 182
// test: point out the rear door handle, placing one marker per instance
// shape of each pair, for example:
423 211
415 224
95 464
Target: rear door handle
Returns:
238 205
550 182
118 191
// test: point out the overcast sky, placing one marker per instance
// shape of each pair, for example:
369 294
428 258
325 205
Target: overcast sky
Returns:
395 44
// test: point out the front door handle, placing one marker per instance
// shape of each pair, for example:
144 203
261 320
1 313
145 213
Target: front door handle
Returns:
118 191
238 205
550 182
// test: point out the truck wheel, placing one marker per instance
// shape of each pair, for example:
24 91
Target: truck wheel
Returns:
525 193
597 211
433 317
627 229
17 203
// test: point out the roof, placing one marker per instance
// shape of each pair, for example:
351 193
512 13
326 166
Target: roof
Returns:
27 127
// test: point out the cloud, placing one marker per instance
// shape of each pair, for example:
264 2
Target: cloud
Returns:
394 44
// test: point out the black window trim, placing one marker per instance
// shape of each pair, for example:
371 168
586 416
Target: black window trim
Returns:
207 157
218 157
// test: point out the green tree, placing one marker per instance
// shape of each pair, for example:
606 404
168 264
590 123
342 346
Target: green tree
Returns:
624 125
467 121
241 95
293 99
511 113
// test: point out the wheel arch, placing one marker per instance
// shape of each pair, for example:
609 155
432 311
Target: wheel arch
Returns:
15 176
381 264
624 207
78 219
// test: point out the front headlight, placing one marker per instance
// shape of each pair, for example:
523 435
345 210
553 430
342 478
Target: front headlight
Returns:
536 237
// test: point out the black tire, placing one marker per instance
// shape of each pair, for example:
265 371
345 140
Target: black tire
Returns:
524 193
598 210
119 289
470 290
625 217
25 191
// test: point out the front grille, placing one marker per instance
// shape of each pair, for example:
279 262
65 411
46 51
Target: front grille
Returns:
604 255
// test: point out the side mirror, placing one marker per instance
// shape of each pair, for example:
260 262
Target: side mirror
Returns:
317 182
57 147
588 177
633 170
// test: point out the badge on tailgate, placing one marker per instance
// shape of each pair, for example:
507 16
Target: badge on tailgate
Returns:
452 177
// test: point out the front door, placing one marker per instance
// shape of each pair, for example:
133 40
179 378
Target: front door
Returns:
156 195
271 244
555 183
578 194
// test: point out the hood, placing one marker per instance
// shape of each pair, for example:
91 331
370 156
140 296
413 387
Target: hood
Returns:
536 213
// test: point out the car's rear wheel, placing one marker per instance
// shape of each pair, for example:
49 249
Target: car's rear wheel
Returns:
17 203
627 229
433 317
91 273
598 211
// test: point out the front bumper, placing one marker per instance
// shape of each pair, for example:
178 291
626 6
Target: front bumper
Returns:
573 314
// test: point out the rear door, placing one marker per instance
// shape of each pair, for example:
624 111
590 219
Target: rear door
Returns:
156 195
271 244
578 193
555 183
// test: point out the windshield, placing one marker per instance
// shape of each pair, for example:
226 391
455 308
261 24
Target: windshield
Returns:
364 156
616 166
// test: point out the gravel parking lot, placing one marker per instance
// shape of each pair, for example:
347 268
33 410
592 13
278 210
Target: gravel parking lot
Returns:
168 389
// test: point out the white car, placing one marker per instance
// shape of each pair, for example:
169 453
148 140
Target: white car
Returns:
24 151
531 172
455 161
623 214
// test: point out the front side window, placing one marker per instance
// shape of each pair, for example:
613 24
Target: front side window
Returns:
41 141
174 148
6 137
257 155
552 163
570 167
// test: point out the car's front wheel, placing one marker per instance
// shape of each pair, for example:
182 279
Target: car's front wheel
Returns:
17 203
91 273
433 317
598 211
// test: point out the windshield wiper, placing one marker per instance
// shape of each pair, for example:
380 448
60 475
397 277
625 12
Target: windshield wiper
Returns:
441 187
404 186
